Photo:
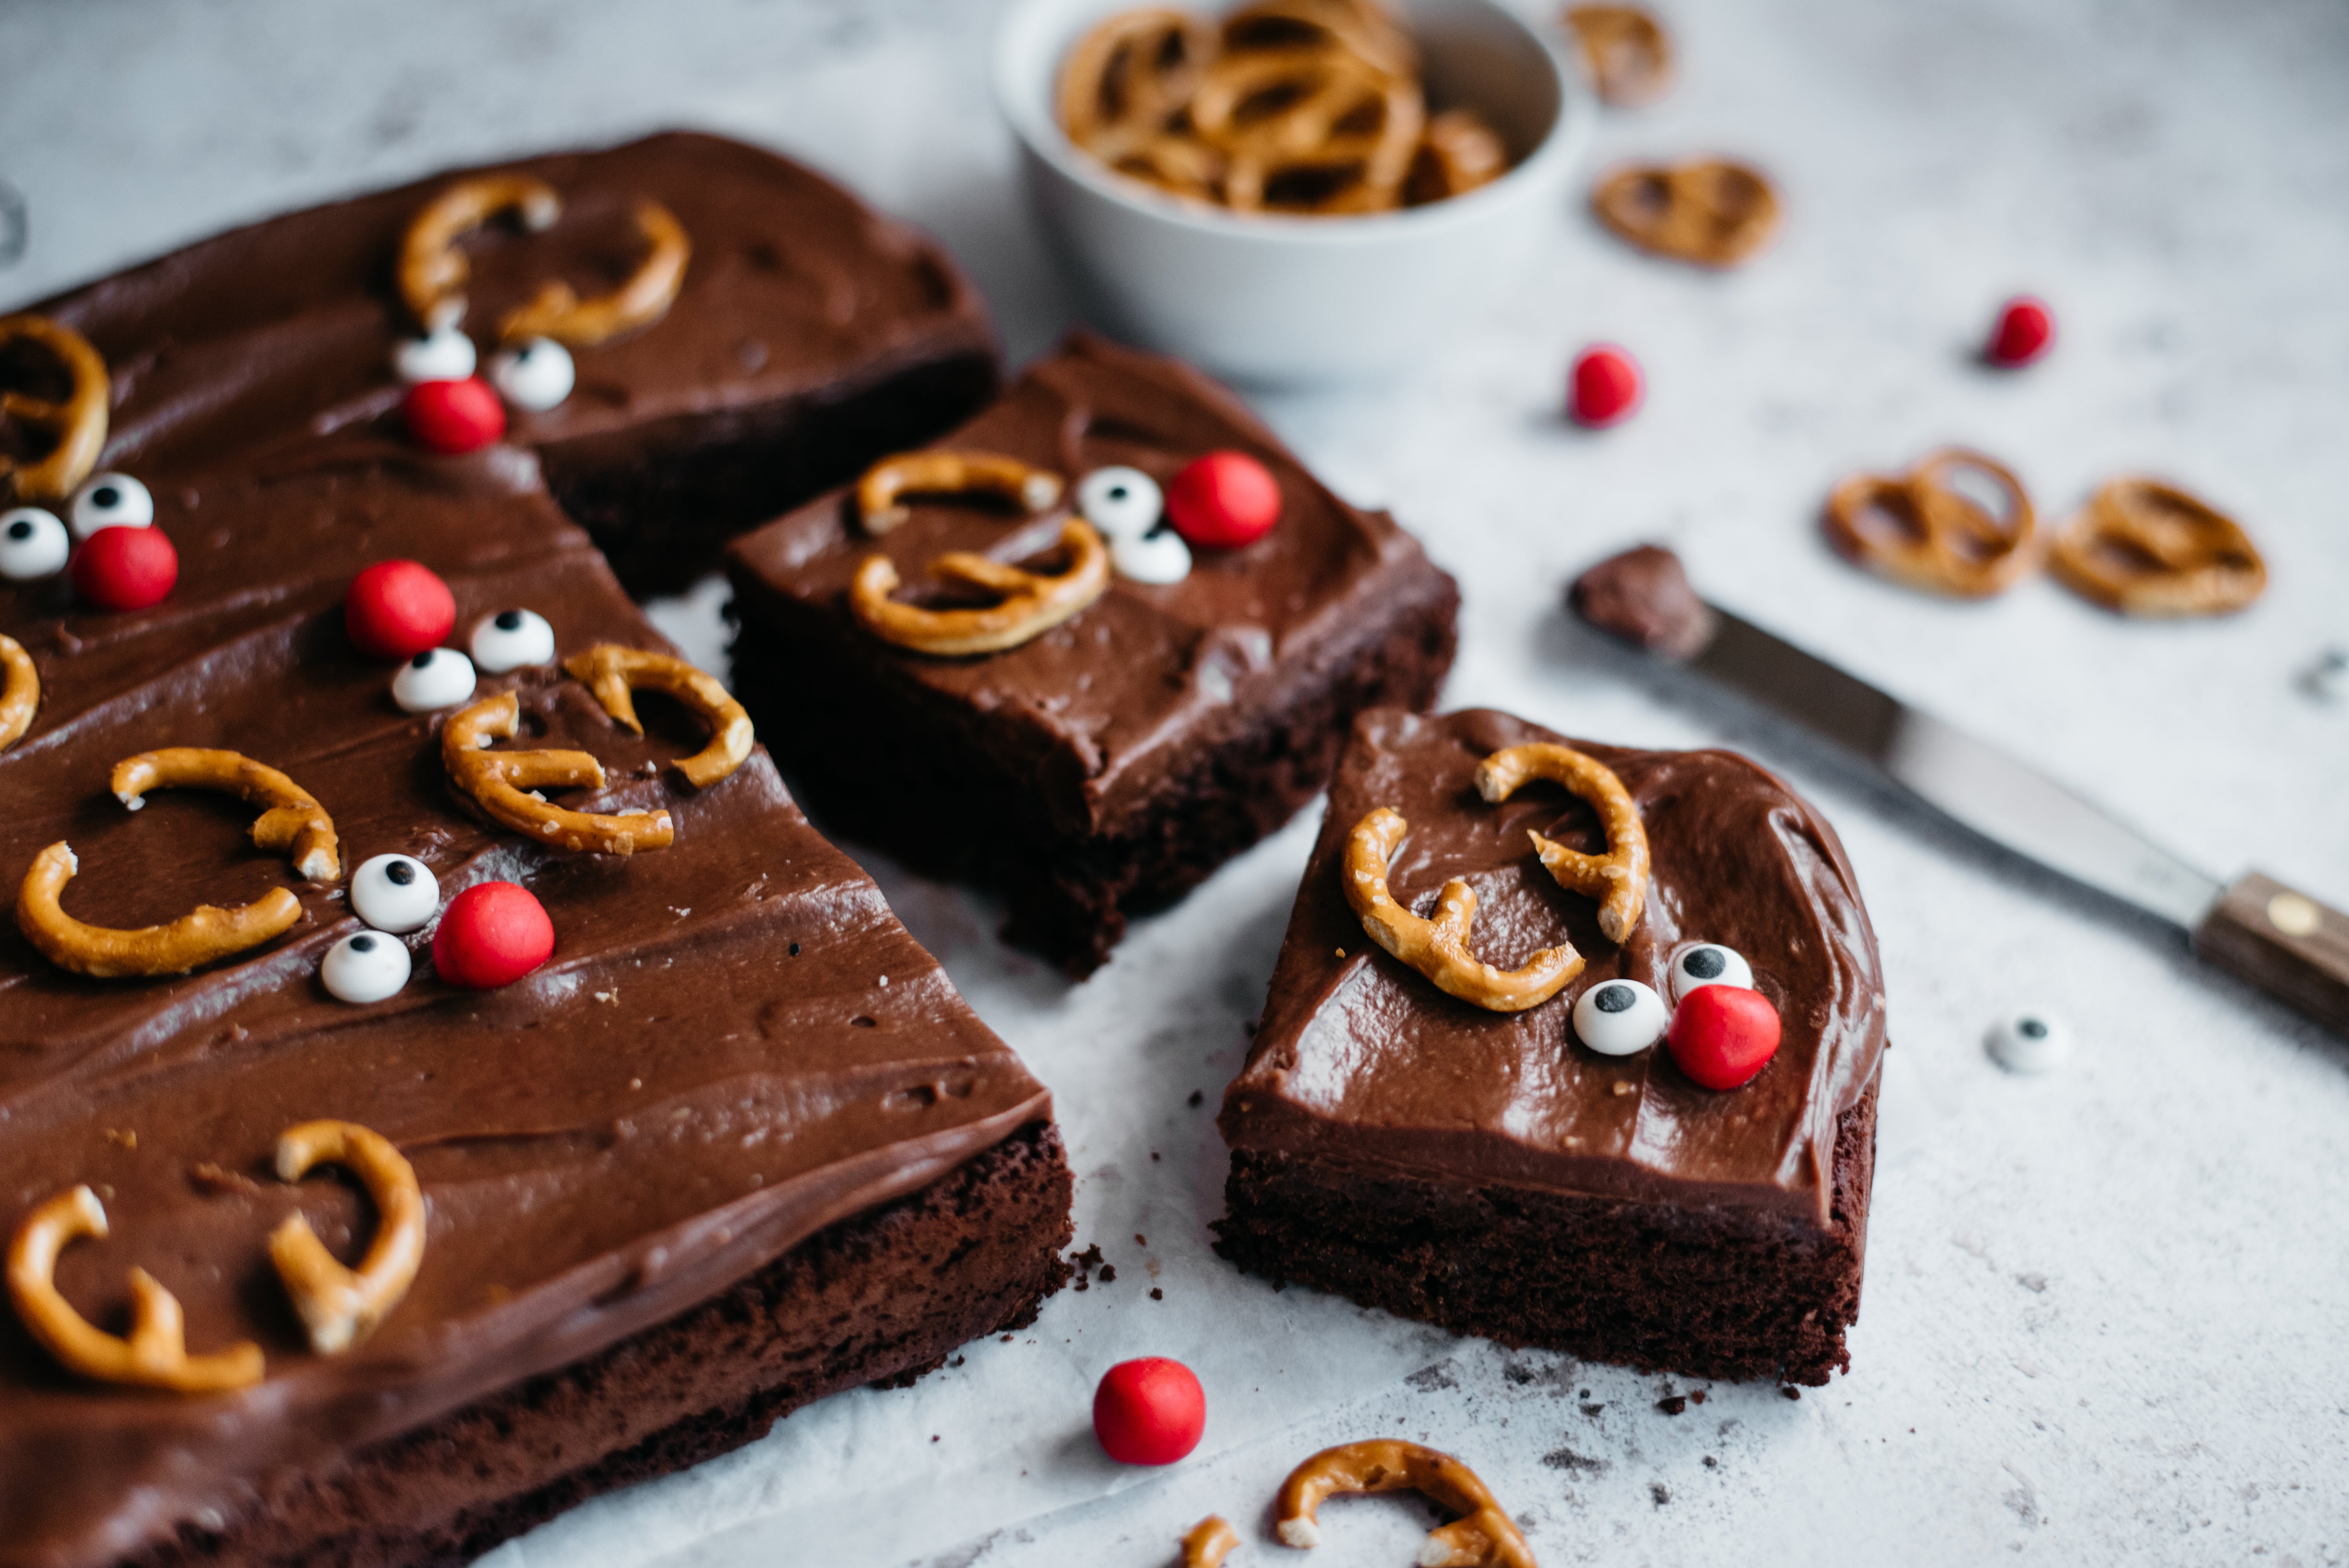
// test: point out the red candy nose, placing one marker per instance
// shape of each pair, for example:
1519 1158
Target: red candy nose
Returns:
125 568
454 416
2023 333
1723 1034
1149 1412
1606 388
1224 500
397 609
492 934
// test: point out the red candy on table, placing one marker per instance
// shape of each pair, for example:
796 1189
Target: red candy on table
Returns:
125 568
2024 331
1149 1412
492 934
1722 1035
1223 501
1605 388
397 609
454 416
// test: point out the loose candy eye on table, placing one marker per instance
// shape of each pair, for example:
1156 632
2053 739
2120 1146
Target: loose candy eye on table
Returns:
2030 1042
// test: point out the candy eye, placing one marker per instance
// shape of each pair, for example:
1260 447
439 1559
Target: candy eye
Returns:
510 639
111 500
1160 558
1619 1017
436 678
1709 964
394 893
2030 1042
365 967
1123 502
447 354
33 543
534 374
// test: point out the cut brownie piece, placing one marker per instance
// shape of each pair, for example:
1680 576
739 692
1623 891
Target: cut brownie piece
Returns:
1110 765
1486 1170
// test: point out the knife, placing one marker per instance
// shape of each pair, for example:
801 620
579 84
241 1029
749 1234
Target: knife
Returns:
2279 939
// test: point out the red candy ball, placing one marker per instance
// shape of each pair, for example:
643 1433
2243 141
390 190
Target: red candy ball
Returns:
1224 500
2024 331
1722 1035
492 934
1606 388
397 609
1149 1412
125 568
454 416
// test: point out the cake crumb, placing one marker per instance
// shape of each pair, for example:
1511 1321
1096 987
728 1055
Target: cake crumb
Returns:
1711 1463
1661 1492
1197 1096
1157 1294
1140 1239
1672 1405
1109 1274
1791 1392
1696 1396
1153 1156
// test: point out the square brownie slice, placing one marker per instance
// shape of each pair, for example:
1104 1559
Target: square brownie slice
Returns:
1487 1170
1111 764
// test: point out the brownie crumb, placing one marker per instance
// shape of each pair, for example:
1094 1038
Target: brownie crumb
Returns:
1711 1463
1592 1410
1673 1406
1157 1294
1140 1239
1198 1098
1153 1156
956 1362
1568 1459
1697 1396
1661 1492
1109 1274
1518 1374
1791 1392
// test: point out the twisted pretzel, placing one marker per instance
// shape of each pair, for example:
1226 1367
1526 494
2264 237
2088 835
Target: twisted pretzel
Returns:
1357 27
155 1356
1618 879
341 1306
1439 948
1033 490
560 314
1947 542
1627 50
1484 1537
433 270
1714 211
78 422
1337 135
1032 603
2146 548
1127 80
294 822
20 696
613 672
1458 153
500 782
1209 1542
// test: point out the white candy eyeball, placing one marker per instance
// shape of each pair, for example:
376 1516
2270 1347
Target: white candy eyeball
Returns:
33 543
365 967
510 639
1123 502
436 678
2030 1042
1708 964
1619 1017
1158 557
446 355
395 892
534 374
111 500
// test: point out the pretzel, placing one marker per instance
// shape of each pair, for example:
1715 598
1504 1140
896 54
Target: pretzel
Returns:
155 1356
294 822
1458 153
1032 603
1127 79
433 270
1357 27
1033 490
613 672
1626 50
1340 140
20 695
1209 1542
2146 548
1439 948
560 314
341 1306
1618 879
1713 211
1945 542
501 783
1483 1537
78 422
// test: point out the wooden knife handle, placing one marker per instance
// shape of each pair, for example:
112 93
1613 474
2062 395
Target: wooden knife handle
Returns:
2285 943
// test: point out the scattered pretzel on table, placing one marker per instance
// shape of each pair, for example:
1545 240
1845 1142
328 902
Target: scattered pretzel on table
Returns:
433 270
880 503
503 783
1713 211
1942 540
1626 50
1483 1537
341 1306
1438 948
20 691
1209 1543
614 673
2146 548
155 1355
1618 879
78 422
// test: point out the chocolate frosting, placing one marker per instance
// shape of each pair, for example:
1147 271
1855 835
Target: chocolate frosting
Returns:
1114 702
1360 1060
734 1045
1643 597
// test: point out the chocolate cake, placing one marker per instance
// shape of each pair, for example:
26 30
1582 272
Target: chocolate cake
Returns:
1111 763
737 1145
1488 1170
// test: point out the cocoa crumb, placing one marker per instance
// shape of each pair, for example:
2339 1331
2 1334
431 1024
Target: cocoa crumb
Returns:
1673 1406
1109 1274
1791 1392
1157 1294
1198 1098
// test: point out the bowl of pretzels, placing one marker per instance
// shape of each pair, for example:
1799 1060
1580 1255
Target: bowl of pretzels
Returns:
1291 192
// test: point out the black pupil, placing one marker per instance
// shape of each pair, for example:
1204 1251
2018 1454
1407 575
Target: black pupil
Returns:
2031 1030
1614 998
509 620
399 871
107 495
363 944
422 660
1117 492
1706 963
21 529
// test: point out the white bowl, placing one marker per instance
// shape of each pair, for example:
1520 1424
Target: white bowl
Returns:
1281 299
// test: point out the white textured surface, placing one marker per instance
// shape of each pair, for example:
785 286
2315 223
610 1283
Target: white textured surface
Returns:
2104 1308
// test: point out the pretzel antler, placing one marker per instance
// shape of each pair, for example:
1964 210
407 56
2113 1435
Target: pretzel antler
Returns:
1439 948
341 1306
500 782
78 421
294 821
1032 489
612 672
1618 879
433 271
1485 1537
559 313
20 695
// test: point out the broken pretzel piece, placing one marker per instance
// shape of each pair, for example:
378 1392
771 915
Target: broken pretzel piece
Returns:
1032 603
1618 879
1439 948
1209 1543
1483 1537
76 422
20 694
294 821
613 672
2146 548
155 1356
341 1306
879 493
501 783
